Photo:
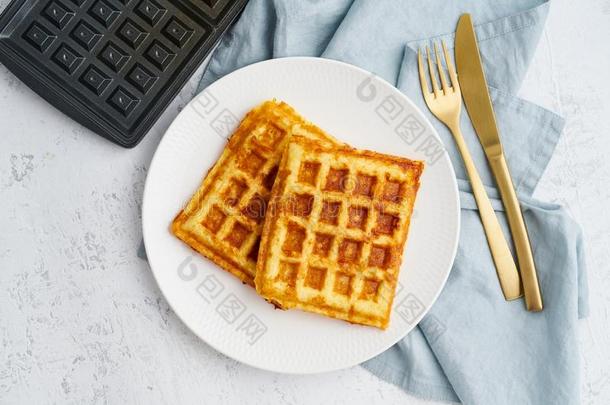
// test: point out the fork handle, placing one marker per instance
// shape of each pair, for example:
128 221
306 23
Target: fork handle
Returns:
523 249
502 257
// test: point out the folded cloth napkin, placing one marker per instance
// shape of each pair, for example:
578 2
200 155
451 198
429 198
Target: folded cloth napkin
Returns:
473 346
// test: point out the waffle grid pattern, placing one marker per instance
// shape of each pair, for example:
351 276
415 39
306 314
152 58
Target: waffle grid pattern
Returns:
224 219
339 223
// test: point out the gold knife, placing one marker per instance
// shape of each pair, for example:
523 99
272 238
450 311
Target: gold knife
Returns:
478 103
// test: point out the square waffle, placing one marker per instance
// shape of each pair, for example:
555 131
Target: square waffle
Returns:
223 220
335 231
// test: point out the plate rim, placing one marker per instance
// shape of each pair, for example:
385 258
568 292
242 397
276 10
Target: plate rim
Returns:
297 59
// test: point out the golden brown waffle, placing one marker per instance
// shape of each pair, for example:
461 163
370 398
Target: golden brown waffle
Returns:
335 231
224 219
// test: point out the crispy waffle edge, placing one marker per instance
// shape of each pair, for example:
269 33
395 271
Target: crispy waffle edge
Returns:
275 211
235 142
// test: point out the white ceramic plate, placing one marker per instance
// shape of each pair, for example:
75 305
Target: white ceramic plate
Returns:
356 107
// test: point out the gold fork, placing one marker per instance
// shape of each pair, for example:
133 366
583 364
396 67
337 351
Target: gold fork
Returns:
446 104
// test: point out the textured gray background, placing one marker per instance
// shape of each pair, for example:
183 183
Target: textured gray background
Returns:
82 320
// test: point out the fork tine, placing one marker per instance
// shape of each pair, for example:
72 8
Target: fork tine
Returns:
439 66
450 68
422 74
432 74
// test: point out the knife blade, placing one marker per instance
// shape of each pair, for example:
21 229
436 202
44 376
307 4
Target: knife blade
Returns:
474 87
473 83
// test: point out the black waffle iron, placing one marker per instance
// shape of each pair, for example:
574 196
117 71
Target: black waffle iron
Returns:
112 65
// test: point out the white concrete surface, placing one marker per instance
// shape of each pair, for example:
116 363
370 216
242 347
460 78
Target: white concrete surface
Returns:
82 320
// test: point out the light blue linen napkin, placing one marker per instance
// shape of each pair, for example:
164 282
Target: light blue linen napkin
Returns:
473 346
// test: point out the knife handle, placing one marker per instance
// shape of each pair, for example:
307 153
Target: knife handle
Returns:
502 257
523 248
